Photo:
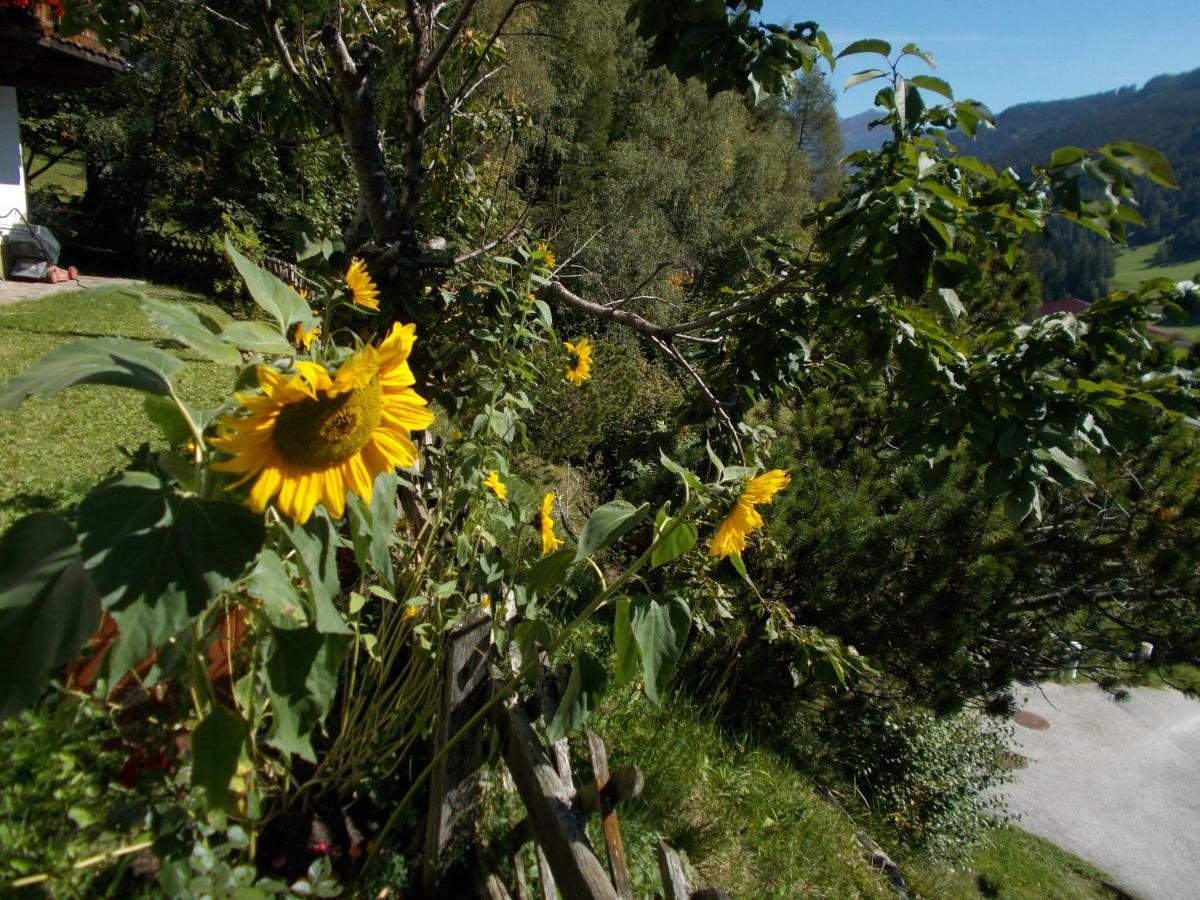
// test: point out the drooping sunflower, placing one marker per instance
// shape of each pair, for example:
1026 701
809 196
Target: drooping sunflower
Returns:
307 438
363 290
550 541
303 337
579 364
744 518
547 255
493 483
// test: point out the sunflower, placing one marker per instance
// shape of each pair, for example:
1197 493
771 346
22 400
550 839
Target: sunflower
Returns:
303 337
546 254
550 541
580 368
744 518
362 289
493 483
311 436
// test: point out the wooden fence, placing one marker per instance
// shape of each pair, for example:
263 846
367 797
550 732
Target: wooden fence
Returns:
192 261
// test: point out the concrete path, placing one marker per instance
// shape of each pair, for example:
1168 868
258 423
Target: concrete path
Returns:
1117 784
13 291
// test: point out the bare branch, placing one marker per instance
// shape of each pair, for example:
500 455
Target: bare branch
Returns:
279 44
668 348
425 72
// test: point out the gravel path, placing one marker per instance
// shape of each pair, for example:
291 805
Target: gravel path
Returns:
1117 784
13 291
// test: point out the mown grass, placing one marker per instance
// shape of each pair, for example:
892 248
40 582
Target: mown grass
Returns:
1136 264
1011 864
53 451
67 177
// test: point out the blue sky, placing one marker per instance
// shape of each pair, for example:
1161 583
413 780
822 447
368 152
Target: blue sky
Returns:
1011 51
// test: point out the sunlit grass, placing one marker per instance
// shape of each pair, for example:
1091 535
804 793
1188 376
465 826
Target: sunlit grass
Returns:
53 451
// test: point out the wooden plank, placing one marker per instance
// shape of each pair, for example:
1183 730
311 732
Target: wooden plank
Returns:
670 866
518 861
453 788
558 827
545 876
617 865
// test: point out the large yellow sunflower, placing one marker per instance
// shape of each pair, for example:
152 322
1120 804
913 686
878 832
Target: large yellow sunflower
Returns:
493 483
744 518
550 541
362 289
579 368
308 437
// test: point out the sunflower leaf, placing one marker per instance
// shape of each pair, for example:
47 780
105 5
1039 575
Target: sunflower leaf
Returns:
191 327
660 625
115 361
48 607
607 524
216 746
581 696
302 669
279 301
158 557
316 548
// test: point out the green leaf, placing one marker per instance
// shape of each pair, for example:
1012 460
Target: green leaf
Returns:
581 696
1065 156
302 669
316 549
660 625
682 539
279 301
371 528
116 361
158 557
628 658
937 85
1072 466
946 302
271 582
865 75
258 337
1139 159
189 326
216 746
549 572
607 524
48 607
166 415
925 55
866 45
531 635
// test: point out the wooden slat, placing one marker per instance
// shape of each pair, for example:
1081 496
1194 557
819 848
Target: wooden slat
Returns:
545 876
453 788
518 861
670 866
558 827
617 865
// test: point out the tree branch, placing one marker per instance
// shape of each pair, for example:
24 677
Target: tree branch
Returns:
425 71
668 348
279 45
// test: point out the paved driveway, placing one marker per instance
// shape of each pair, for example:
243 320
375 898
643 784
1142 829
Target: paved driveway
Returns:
13 291
1117 784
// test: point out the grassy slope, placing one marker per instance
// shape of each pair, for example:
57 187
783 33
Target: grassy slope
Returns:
66 177
753 825
1136 264
53 451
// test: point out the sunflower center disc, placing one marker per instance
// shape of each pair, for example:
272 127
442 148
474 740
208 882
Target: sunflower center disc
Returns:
328 430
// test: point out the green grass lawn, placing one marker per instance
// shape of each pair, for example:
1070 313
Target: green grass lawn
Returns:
53 451
67 177
1136 264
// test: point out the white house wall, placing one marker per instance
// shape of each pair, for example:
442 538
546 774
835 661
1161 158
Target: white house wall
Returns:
12 173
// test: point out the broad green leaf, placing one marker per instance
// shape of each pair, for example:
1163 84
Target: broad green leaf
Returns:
549 572
189 326
116 361
937 85
925 55
167 416
946 302
271 583
1064 156
302 669
682 538
48 607
316 549
866 45
607 524
216 746
865 75
159 557
279 301
372 526
530 636
258 337
660 626
581 696
1074 467
628 659
1139 159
